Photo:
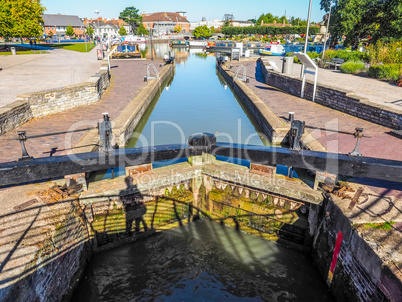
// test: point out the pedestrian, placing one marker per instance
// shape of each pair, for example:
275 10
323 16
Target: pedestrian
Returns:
35 43
30 42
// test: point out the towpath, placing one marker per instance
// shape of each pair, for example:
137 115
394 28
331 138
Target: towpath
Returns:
35 72
51 135
380 92
333 129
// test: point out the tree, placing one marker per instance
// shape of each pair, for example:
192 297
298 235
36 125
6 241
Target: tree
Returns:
21 18
227 18
70 31
50 34
122 31
131 16
142 30
212 30
358 19
202 32
90 30
177 29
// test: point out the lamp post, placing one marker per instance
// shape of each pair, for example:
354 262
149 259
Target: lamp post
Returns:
97 14
326 34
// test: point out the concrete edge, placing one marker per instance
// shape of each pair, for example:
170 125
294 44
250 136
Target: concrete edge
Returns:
129 117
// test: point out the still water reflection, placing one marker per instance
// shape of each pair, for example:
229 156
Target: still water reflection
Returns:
196 100
201 261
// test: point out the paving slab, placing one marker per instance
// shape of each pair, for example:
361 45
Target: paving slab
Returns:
35 72
377 91
58 133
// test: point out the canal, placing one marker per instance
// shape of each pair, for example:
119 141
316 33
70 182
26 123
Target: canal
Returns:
202 260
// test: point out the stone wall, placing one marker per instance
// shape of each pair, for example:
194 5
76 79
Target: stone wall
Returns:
43 103
275 129
359 271
13 115
335 98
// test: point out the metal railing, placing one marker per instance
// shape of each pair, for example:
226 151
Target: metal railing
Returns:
57 166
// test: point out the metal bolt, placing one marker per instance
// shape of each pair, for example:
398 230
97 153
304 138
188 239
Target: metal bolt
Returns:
291 116
145 79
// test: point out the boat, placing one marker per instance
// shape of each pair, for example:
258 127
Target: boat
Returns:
198 44
273 49
126 51
179 43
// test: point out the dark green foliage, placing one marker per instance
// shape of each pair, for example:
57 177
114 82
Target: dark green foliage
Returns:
268 30
387 71
131 16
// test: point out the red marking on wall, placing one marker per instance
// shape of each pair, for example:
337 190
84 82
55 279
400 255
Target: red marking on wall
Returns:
337 250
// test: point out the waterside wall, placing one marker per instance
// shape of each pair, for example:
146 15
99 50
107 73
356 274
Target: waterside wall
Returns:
43 103
333 97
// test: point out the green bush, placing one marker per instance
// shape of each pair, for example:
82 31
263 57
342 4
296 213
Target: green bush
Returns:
353 67
345 55
391 72
313 55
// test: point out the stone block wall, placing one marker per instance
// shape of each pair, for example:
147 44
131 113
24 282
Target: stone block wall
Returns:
359 270
272 126
335 98
13 115
43 103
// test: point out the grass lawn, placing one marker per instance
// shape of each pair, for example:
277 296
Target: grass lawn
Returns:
72 46
23 52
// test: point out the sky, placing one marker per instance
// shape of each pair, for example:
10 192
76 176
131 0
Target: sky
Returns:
210 9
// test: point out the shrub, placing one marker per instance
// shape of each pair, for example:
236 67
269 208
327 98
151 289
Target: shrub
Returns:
313 55
391 72
346 55
353 67
390 53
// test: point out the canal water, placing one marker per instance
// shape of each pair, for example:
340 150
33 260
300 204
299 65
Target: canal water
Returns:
204 260
197 100
201 261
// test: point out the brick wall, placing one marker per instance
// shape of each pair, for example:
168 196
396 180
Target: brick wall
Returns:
359 270
273 127
335 98
42 103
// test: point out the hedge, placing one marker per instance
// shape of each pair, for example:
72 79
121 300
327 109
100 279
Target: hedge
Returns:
387 71
268 30
346 55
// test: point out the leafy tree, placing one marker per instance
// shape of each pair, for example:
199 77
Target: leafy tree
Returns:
122 31
50 34
270 18
358 19
142 30
228 18
252 20
90 30
70 31
212 30
202 32
21 18
177 29
131 16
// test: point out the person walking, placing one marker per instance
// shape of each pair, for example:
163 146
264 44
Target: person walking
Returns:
30 43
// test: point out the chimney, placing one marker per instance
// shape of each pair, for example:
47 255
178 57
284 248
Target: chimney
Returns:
274 21
262 22
284 22
143 12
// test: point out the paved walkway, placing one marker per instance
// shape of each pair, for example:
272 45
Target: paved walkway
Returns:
380 92
56 133
35 72
333 129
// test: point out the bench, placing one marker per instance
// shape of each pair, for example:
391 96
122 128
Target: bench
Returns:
335 62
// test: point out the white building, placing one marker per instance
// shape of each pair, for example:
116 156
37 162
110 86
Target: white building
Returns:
212 23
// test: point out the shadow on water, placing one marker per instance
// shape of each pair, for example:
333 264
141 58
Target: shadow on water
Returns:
203 257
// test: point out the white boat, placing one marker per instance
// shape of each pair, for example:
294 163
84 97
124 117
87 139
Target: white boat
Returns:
273 49
199 44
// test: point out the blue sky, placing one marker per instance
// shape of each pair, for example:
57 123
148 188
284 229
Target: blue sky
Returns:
211 9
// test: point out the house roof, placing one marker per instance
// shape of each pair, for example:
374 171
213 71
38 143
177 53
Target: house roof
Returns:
164 16
61 20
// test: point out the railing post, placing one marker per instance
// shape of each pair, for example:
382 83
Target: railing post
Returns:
22 138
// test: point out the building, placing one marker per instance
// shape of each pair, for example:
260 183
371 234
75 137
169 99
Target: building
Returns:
107 27
164 23
57 24
219 23
212 23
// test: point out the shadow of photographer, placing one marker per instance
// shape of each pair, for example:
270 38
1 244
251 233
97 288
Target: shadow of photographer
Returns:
133 202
